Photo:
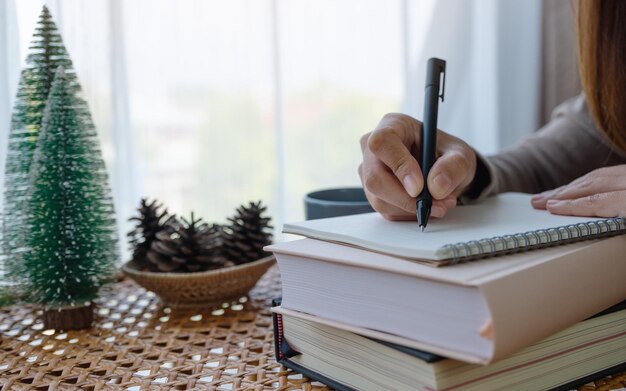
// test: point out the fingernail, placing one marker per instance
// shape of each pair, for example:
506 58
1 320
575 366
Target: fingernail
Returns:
443 183
542 196
553 202
410 185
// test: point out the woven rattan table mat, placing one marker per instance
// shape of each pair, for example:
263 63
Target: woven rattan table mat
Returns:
136 344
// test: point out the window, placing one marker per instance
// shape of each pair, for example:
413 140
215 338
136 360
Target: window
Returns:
208 104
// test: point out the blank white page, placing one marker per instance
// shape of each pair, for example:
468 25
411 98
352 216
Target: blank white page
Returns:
505 214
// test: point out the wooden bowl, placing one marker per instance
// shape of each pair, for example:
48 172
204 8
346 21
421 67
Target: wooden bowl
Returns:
189 290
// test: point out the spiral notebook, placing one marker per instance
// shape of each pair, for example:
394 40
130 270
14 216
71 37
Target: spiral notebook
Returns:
501 224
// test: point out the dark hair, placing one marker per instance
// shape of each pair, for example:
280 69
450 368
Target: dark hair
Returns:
601 31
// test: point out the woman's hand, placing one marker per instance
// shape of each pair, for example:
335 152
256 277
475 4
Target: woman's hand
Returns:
600 193
392 177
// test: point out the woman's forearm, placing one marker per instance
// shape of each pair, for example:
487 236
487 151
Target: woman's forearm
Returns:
566 148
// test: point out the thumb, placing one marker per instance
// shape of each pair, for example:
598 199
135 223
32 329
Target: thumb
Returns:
452 171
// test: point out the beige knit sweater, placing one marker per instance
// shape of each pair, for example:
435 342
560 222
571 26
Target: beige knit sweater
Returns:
568 147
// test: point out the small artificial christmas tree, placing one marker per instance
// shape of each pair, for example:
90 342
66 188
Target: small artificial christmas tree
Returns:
47 53
71 238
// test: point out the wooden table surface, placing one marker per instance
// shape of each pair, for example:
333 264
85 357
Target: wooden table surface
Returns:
137 344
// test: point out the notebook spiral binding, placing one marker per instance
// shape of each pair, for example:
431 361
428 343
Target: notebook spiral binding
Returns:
475 249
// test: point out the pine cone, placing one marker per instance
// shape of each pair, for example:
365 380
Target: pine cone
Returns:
149 222
247 234
191 247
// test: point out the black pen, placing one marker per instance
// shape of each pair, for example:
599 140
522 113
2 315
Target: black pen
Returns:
434 70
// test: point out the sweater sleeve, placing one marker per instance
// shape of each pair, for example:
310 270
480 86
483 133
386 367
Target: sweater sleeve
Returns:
566 148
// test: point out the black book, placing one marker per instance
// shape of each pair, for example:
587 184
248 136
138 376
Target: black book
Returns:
591 349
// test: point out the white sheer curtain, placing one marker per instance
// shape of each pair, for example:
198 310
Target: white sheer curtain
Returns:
492 48
9 65
208 104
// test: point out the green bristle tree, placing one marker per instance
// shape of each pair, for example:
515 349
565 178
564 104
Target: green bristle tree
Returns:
71 232
46 54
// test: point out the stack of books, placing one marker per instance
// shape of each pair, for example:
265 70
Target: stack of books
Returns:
370 304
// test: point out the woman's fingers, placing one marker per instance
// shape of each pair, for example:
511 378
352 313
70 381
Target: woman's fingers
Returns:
382 185
603 180
386 195
609 204
391 212
392 177
390 143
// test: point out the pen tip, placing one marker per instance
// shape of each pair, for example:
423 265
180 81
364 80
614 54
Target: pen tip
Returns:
423 228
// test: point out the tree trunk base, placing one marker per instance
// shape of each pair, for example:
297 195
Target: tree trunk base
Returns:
69 318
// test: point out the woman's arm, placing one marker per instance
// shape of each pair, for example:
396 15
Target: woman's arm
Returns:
568 147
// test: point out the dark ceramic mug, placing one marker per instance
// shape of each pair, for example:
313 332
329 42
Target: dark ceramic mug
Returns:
335 202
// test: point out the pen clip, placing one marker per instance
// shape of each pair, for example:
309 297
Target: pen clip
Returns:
443 84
